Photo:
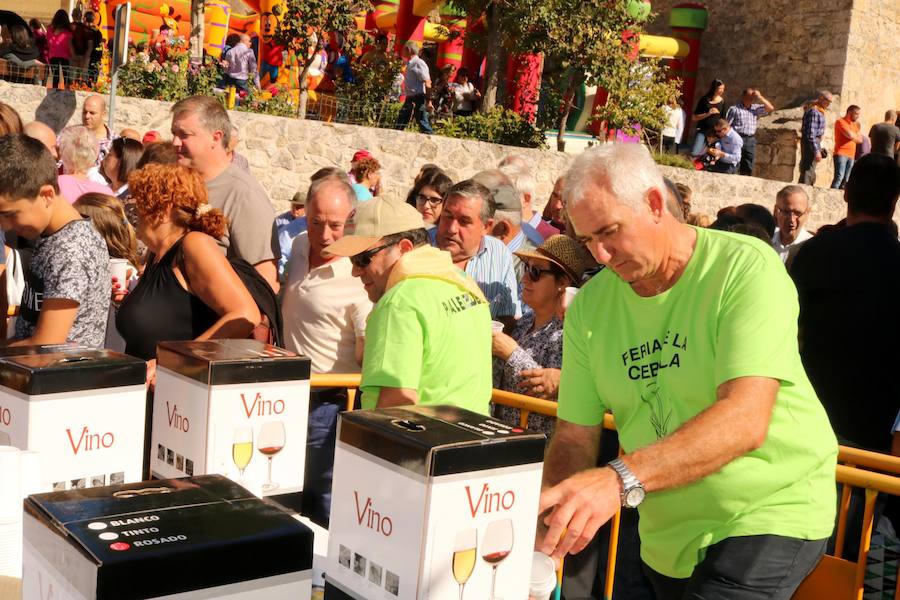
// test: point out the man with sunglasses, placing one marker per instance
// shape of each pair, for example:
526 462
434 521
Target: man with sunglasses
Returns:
728 155
428 339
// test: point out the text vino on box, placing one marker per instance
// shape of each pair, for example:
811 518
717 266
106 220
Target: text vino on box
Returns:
192 538
432 503
238 408
82 410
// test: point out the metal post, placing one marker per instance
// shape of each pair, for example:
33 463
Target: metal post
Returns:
112 99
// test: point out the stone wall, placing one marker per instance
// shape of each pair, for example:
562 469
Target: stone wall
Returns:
283 153
872 75
786 48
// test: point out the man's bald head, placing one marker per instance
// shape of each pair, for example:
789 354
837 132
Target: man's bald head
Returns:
93 115
132 134
245 39
42 133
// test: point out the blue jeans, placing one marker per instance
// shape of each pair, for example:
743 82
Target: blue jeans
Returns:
842 167
414 105
324 406
757 567
699 143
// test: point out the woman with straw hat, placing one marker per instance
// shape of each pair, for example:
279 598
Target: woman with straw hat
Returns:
536 340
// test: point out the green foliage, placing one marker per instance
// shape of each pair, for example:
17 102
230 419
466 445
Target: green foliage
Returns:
499 126
364 101
170 79
306 22
278 104
673 160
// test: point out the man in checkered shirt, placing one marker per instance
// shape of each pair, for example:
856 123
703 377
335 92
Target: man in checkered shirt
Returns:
811 137
744 118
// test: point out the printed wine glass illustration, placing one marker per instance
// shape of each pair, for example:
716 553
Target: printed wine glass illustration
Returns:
242 448
464 554
498 543
270 442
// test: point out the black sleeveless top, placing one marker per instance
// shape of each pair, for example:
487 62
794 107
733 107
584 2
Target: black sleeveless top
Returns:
158 309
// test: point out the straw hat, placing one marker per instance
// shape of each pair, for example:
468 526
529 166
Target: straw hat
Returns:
562 251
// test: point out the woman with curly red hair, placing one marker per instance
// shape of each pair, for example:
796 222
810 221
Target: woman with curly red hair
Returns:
188 291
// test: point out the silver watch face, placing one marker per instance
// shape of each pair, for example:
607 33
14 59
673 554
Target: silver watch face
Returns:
634 497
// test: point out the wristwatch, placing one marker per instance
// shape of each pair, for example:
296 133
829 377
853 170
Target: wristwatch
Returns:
632 489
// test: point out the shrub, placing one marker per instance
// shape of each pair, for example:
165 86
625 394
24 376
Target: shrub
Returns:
499 126
673 160
171 79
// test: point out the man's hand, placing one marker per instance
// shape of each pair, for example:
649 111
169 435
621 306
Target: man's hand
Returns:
579 506
541 383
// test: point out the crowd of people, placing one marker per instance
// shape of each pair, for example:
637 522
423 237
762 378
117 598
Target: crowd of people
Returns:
724 140
717 349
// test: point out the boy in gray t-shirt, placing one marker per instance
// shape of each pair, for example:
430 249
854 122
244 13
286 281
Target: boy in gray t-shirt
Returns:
68 283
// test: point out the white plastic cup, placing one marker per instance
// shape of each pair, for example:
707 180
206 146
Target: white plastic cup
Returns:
496 326
118 268
543 577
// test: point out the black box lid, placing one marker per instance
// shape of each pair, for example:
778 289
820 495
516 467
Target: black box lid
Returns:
209 532
69 369
219 362
40 349
439 440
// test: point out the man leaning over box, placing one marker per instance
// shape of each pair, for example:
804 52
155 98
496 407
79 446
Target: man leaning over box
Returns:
428 339
689 337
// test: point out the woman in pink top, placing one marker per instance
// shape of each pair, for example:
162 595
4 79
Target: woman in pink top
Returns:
78 151
59 39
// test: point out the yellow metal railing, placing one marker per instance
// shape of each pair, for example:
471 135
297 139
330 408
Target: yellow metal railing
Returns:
836 578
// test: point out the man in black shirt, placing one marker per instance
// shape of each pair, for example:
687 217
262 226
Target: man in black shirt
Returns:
848 282
885 136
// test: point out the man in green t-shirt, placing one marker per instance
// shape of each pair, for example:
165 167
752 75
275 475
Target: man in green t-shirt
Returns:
689 337
428 338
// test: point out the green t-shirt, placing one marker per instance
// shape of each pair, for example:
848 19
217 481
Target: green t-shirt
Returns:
431 336
656 362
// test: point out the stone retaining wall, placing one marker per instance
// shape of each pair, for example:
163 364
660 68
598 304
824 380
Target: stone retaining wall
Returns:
283 153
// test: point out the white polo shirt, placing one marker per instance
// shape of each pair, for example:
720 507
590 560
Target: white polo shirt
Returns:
784 249
324 311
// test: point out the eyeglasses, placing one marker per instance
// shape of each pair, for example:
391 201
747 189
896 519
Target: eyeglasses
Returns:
535 273
364 259
791 213
432 200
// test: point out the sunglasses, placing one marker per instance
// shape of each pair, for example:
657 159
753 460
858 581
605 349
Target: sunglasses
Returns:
364 259
535 273
432 200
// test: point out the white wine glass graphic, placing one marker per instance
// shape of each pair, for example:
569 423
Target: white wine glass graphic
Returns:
498 543
270 442
464 555
242 448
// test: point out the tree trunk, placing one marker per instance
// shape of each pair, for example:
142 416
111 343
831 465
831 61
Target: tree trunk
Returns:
568 100
494 60
303 84
197 20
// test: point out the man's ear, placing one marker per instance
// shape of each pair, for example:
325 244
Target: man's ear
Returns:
47 194
488 226
657 203
405 246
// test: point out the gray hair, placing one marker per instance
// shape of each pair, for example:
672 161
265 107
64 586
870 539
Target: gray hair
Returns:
343 185
521 178
626 170
78 149
789 190
826 94
514 217
412 47
211 113
470 189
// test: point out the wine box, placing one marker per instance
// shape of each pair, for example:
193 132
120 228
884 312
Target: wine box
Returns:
432 502
237 408
194 538
82 410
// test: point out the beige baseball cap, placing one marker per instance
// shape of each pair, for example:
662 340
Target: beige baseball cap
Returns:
371 221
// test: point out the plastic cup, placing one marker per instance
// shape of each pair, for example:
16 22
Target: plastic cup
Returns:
118 267
569 296
496 326
543 577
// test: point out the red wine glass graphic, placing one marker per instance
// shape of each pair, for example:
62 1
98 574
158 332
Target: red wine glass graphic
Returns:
270 442
498 543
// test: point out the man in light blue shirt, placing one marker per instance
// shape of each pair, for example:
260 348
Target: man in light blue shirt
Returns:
466 219
290 224
416 87
729 155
